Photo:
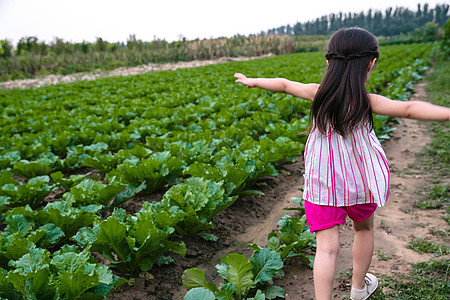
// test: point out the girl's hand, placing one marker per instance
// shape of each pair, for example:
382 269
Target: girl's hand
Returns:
244 80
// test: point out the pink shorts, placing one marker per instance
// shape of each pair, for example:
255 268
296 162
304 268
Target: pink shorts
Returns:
323 217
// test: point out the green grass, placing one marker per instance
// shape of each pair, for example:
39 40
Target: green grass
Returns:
437 156
427 280
437 196
421 245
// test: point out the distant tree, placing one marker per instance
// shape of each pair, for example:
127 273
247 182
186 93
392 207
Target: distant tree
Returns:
298 28
27 44
6 48
58 46
100 45
289 30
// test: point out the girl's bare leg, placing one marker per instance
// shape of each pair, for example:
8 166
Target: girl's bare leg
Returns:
362 251
325 262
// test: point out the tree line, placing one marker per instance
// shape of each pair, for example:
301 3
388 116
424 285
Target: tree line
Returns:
392 22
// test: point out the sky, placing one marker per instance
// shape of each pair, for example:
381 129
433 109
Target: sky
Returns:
115 21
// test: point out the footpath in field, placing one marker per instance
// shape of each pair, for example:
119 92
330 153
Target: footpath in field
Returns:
123 71
250 220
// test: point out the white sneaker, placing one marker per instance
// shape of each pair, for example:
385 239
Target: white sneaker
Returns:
371 285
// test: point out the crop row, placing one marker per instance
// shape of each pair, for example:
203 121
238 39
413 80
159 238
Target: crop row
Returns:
70 154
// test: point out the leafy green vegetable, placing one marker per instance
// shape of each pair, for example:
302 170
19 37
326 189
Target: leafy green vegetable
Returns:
236 169
67 183
293 239
7 290
201 200
241 277
134 242
31 193
9 159
15 245
23 220
67 217
29 169
67 274
89 192
4 201
156 171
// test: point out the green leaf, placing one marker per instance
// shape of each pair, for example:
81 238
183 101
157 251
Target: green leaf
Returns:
129 192
20 219
103 163
7 290
255 247
308 260
68 218
53 235
201 199
274 244
222 270
7 178
111 237
32 193
95 192
29 169
193 278
103 290
65 183
98 147
9 159
227 292
14 246
208 236
273 292
259 296
133 242
265 265
199 294
86 236
239 271
4 201
175 247
77 273
31 275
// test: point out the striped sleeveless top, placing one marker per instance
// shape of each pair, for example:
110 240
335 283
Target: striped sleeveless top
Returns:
344 171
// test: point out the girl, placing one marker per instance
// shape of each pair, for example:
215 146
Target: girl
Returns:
346 171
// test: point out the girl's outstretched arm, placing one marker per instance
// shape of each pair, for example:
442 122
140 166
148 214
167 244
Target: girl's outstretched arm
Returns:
418 110
297 89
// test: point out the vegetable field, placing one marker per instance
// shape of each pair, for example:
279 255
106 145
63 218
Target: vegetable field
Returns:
74 156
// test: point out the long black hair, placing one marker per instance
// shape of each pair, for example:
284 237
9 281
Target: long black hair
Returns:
342 100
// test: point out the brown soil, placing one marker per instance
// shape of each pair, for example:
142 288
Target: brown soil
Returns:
250 220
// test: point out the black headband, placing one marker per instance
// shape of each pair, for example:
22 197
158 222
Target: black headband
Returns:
346 58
